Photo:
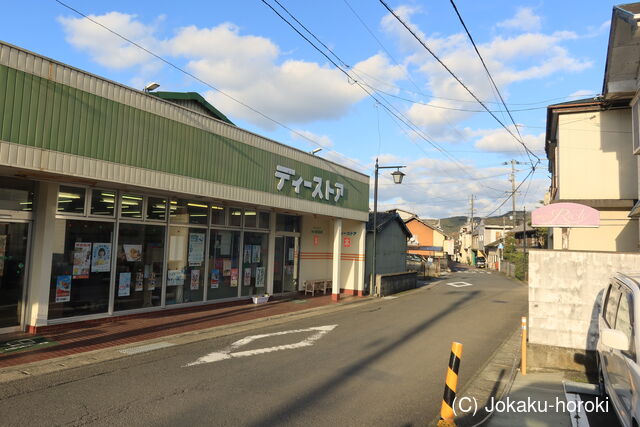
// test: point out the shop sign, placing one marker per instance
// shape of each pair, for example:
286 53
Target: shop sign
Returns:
316 240
349 233
317 230
565 215
336 191
347 242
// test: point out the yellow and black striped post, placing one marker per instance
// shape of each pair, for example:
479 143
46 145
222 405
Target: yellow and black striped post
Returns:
446 411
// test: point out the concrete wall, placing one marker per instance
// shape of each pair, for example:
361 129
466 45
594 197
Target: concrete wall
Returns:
595 156
564 292
617 232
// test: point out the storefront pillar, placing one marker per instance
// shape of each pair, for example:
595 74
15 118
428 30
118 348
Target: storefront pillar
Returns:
337 255
271 253
361 251
41 252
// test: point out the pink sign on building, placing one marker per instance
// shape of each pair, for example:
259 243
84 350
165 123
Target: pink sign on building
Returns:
567 215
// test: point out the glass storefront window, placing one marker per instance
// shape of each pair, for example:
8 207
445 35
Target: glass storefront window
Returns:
218 215
188 212
264 218
71 200
185 269
288 223
139 266
235 217
250 219
103 202
131 206
157 208
16 194
254 263
80 268
224 264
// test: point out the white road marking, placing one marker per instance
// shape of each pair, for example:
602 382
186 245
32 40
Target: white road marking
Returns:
229 352
147 347
459 284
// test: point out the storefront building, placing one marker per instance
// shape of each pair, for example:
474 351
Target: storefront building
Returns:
114 201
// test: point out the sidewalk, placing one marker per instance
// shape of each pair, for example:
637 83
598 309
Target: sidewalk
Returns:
539 388
86 337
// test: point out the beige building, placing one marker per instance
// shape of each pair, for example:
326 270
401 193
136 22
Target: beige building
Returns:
589 149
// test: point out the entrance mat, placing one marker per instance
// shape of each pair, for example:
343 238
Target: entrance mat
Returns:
25 344
299 301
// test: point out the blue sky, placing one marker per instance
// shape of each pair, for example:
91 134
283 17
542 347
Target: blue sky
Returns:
538 52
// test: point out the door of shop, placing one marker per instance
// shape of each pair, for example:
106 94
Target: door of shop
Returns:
285 269
14 242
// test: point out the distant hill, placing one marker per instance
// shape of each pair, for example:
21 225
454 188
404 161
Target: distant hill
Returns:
453 224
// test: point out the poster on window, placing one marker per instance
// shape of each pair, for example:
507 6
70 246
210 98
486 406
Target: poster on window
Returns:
175 278
133 253
226 269
63 288
151 283
101 257
196 249
81 260
256 253
215 278
139 281
3 250
248 254
290 254
247 276
124 284
234 277
195 280
260 277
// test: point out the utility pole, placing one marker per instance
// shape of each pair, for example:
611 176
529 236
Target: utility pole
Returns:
471 218
512 178
524 227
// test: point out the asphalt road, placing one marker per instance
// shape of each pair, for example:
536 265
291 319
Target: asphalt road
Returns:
382 364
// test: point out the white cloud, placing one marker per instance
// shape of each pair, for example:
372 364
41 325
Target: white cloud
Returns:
499 140
525 20
527 56
305 135
106 48
249 68
436 188
582 93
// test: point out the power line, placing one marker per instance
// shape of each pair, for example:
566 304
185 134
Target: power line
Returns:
448 108
172 65
454 76
510 194
388 108
484 65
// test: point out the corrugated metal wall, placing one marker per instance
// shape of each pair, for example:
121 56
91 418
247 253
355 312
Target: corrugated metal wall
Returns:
42 113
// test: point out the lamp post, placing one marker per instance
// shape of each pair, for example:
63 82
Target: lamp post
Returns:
397 179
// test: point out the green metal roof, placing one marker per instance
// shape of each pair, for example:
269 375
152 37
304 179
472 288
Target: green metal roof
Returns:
193 96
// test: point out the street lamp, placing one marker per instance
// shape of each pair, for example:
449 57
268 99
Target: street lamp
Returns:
397 179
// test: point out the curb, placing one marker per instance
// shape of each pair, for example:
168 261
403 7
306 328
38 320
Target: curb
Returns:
17 372
485 384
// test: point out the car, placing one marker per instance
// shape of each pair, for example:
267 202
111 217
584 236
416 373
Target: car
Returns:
481 262
618 347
